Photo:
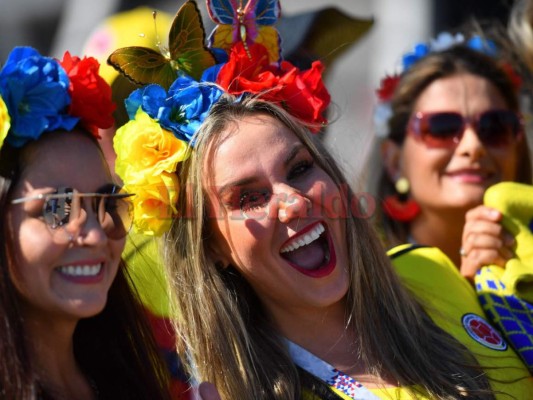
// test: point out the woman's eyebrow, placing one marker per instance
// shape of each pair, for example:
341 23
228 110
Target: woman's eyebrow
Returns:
238 183
293 153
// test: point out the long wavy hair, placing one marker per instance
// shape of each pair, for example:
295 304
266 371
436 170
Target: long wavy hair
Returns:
521 30
456 60
227 336
115 348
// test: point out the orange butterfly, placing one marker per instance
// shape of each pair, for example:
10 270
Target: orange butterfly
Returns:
186 53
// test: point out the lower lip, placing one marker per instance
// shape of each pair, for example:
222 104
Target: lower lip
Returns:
84 280
468 178
323 271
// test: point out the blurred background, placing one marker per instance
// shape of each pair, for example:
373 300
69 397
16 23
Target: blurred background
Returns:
388 28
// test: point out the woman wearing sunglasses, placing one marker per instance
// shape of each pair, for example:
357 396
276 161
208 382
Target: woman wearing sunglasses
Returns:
70 324
452 128
283 291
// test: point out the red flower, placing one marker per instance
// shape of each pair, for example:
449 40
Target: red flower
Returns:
302 93
247 74
387 87
514 77
90 93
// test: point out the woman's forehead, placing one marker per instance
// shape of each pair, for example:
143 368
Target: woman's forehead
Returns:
65 159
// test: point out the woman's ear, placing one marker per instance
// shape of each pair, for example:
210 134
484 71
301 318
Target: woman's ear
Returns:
218 252
391 156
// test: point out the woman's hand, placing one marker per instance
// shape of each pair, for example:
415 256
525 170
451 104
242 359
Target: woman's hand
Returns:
484 241
207 391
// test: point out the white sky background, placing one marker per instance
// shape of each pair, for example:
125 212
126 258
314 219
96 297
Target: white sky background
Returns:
352 81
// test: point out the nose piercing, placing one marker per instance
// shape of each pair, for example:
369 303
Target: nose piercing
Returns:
70 238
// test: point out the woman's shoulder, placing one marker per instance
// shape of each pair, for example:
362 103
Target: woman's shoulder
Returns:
452 303
425 270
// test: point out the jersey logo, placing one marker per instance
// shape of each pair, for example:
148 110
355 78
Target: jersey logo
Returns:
483 333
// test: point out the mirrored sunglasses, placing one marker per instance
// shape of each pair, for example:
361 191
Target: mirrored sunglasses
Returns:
64 210
495 128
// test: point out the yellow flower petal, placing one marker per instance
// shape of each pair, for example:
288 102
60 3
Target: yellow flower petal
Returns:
147 159
5 121
154 204
145 149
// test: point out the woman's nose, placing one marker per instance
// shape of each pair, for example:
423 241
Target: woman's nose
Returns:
470 143
292 204
88 229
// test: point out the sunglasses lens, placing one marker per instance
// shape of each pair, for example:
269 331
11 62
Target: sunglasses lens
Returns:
442 129
115 215
57 211
65 214
498 128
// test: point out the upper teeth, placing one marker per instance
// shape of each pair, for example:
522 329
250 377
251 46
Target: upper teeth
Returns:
300 241
81 270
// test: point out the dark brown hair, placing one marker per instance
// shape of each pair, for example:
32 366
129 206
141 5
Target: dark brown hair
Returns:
115 348
456 60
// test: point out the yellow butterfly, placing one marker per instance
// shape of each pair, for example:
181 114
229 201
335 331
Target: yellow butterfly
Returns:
187 53
250 23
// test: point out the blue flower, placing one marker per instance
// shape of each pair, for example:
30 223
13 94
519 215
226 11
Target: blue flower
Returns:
420 51
446 40
483 45
183 109
196 99
35 90
151 98
221 56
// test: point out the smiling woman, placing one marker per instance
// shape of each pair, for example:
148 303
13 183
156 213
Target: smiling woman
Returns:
282 291
451 127
69 319
282 297
290 184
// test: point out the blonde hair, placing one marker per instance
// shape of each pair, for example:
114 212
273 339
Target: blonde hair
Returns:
228 335
521 30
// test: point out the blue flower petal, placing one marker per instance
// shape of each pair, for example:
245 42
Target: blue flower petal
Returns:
483 45
35 89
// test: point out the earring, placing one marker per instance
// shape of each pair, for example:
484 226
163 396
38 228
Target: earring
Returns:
221 265
399 206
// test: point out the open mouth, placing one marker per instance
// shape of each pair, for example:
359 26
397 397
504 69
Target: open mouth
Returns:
310 251
82 273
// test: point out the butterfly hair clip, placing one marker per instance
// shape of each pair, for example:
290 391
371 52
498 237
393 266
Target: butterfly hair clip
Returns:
186 53
250 23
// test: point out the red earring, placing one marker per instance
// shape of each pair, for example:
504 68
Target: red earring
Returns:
399 206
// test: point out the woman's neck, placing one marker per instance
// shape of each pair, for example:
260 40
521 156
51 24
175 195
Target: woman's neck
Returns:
316 330
440 229
331 340
52 353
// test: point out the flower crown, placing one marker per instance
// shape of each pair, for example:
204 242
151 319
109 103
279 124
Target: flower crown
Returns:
41 94
180 88
444 41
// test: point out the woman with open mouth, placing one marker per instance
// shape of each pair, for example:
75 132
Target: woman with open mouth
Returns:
280 298
282 290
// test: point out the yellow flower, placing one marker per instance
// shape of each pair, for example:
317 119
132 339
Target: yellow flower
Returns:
5 121
145 150
154 204
147 158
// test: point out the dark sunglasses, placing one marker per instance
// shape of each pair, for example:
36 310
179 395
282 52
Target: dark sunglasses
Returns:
63 210
495 128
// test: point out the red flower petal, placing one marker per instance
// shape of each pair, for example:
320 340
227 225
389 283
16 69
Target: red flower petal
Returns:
90 93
